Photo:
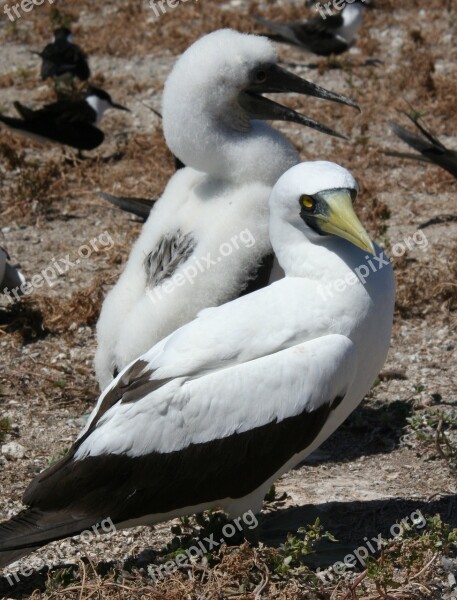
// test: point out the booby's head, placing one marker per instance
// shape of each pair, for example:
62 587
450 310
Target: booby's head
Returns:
317 198
101 101
215 93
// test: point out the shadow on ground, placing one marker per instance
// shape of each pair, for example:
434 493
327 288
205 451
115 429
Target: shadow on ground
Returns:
352 523
370 429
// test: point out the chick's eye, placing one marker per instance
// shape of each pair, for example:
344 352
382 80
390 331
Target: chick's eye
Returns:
260 76
307 202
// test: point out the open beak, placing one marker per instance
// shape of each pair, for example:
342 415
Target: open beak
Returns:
279 80
337 217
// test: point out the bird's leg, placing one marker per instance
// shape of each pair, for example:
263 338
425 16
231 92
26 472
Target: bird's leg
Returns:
253 534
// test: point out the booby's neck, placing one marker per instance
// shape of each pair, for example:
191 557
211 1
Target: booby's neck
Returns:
204 142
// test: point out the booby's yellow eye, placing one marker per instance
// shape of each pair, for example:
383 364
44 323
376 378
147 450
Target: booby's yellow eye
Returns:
307 202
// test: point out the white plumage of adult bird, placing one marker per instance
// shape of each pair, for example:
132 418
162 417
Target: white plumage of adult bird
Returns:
213 112
218 410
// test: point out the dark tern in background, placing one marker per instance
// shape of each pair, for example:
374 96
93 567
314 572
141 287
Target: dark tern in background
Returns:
67 122
324 34
64 57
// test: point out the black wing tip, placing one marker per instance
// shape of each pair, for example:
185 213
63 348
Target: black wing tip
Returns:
140 207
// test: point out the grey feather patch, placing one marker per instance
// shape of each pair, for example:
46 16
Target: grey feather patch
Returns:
171 251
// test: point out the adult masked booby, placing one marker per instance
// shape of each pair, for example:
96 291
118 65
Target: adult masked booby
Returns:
218 410
63 57
69 122
430 148
329 32
11 278
191 253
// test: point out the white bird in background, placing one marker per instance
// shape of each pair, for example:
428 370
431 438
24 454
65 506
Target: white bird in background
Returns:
206 240
218 410
10 277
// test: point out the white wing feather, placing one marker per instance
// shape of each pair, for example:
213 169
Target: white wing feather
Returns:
232 400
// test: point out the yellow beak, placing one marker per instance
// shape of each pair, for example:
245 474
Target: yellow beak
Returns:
342 221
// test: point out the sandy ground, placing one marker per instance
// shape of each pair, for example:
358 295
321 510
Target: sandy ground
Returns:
375 469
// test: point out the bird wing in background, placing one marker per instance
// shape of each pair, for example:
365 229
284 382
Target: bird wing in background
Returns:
431 149
141 207
64 57
79 135
66 122
64 111
317 35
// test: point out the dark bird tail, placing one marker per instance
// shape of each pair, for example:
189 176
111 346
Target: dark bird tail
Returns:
141 207
420 144
32 528
7 558
279 32
11 122
430 148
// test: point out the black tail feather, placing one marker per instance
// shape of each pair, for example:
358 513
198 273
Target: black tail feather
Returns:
31 529
141 207
430 148
412 140
9 557
280 32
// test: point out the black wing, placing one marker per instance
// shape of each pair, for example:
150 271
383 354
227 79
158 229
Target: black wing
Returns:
64 57
24 111
141 207
79 135
67 111
429 146
316 35
75 494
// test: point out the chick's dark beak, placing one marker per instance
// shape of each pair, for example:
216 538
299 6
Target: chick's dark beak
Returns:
272 79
